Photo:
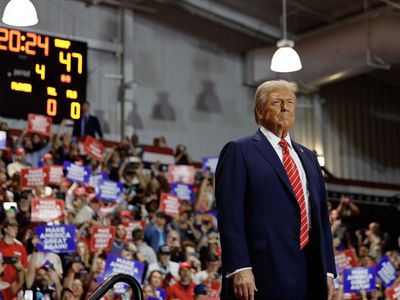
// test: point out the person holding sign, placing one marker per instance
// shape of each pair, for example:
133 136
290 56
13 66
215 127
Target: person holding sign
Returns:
272 209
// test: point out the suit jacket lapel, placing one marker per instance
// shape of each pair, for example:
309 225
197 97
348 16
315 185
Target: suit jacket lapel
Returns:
267 151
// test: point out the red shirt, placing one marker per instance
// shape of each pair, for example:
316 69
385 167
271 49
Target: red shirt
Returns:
178 291
10 273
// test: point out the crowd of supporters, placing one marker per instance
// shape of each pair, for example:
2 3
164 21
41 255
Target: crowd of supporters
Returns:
181 254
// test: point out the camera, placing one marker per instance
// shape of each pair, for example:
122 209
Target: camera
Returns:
10 260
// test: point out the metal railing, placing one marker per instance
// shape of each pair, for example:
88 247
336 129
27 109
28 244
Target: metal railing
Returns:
109 283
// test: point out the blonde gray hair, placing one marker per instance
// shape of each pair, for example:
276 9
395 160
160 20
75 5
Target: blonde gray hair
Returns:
265 89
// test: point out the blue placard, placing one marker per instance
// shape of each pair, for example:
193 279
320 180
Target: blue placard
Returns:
76 173
183 191
386 271
357 279
94 179
3 139
118 264
160 293
108 190
210 163
58 239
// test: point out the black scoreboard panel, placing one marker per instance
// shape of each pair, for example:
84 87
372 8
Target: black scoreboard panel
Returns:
41 74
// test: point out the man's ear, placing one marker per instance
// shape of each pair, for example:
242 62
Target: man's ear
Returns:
259 113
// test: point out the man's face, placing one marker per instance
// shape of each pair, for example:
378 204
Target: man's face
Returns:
85 108
164 259
11 230
77 203
160 221
42 278
278 113
185 274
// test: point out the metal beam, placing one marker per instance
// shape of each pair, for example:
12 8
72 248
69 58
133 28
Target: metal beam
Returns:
230 18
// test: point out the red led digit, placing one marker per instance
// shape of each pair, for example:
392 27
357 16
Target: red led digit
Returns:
30 43
14 43
3 38
43 42
51 107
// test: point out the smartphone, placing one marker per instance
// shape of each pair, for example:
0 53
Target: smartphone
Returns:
10 205
10 260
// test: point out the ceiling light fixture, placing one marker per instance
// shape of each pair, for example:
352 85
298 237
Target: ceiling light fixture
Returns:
20 13
285 58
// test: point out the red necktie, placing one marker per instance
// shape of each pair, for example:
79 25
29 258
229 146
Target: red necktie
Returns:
294 178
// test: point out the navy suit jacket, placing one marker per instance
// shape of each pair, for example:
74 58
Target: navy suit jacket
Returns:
259 219
92 127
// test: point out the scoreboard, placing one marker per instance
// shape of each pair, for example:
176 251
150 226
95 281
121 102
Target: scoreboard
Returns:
41 74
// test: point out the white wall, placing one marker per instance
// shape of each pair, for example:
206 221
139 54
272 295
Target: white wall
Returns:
167 63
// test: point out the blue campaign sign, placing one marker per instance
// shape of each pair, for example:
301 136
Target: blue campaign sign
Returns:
3 139
96 178
386 271
160 293
76 173
118 264
58 239
183 191
108 190
357 279
210 163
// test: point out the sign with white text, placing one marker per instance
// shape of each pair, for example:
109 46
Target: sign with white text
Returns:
170 204
47 210
39 124
57 239
357 279
77 173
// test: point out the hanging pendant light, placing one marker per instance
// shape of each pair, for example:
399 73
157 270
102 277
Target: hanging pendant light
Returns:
20 13
285 58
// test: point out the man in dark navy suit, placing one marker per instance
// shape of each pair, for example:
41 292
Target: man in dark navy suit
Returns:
87 124
272 209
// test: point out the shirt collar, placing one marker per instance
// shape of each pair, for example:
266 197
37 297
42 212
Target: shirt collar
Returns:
273 139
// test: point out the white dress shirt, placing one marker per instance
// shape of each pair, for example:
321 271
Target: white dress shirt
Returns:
274 141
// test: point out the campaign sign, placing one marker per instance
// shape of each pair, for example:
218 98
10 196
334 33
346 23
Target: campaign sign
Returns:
357 279
170 204
394 292
47 210
57 239
102 238
210 163
183 191
93 148
96 178
54 174
345 259
160 293
386 271
108 190
131 225
39 124
3 139
32 177
76 173
117 264
182 174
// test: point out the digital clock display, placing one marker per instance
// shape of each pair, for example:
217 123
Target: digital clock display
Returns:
41 74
